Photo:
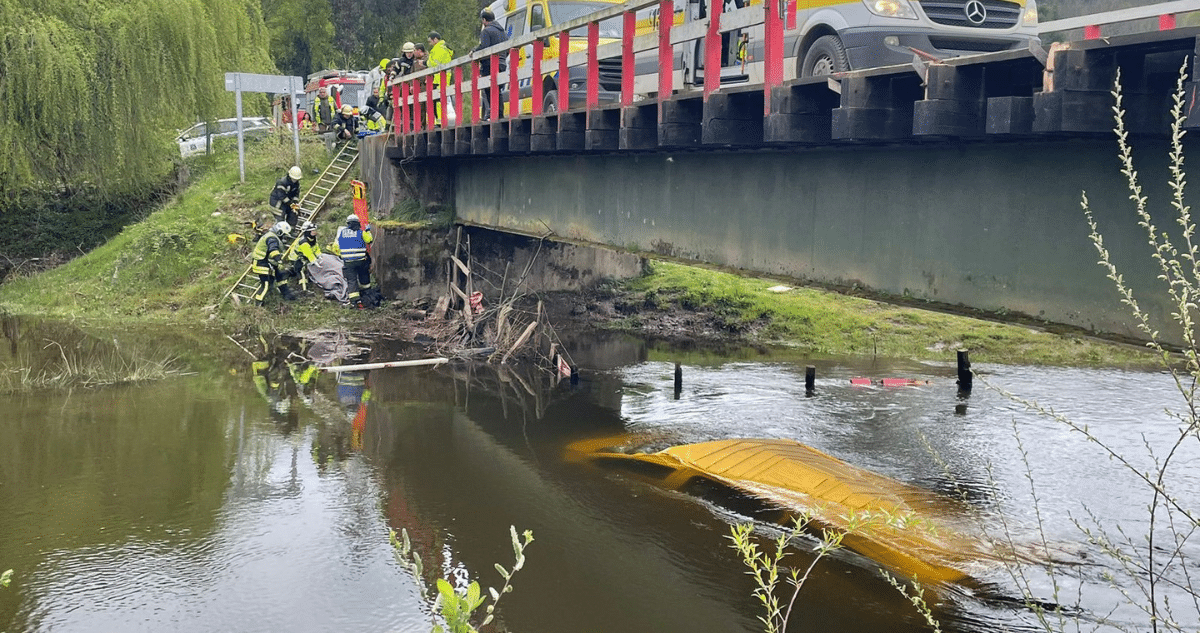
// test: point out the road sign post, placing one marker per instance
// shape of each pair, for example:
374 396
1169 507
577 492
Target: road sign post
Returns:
238 83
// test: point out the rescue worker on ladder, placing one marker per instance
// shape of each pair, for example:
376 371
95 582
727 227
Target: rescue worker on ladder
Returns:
351 246
268 263
306 252
285 197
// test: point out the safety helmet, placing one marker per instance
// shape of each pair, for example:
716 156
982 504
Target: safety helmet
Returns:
352 219
384 62
307 226
347 109
294 173
408 47
281 228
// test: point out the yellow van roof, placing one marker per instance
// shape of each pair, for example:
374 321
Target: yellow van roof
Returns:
908 529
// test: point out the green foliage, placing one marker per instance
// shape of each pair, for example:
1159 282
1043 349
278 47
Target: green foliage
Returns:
94 95
6 578
301 35
831 323
767 568
455 606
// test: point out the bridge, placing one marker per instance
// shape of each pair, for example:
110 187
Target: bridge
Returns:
955 181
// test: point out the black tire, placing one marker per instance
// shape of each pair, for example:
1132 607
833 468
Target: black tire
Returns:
550 102
826 56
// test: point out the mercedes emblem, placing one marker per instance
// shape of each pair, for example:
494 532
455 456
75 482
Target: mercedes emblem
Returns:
976 12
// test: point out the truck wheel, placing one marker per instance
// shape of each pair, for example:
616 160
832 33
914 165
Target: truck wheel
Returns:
825 57
550 102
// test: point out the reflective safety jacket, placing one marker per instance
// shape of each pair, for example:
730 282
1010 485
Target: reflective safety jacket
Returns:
440 55
268 253
285 194
308 249
351 245
324 110
373 117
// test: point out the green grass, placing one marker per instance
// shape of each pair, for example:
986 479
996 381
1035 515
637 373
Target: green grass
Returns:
176 264
823 322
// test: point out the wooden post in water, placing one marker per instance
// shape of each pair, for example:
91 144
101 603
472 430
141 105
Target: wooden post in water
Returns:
678 379
964 372
810 380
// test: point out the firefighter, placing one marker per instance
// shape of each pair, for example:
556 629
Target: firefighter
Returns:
345 124
268 263
285 197
324 110
351 246
306 252
373 118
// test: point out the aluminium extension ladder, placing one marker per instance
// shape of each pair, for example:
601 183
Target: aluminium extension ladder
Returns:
310 205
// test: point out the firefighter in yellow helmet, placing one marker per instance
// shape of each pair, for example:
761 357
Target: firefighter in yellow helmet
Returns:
345 125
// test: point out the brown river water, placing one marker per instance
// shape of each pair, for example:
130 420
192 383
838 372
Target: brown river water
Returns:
213 501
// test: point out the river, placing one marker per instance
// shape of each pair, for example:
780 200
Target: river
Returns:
253 494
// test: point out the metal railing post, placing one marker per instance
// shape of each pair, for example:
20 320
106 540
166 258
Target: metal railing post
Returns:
712 48
666 53
564 72
514 86
593 65
772 48
494 81
630 24
538 50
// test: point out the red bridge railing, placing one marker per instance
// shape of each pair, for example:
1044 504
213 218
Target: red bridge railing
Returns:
418 97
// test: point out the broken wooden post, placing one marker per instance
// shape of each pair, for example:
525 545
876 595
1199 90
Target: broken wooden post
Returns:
810 380
678 379
964 372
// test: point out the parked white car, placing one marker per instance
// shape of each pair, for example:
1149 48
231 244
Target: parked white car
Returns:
194 140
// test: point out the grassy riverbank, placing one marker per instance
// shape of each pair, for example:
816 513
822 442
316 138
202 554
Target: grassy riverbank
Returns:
175 265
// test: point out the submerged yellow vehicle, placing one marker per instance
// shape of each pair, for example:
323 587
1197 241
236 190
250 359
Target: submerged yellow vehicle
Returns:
907 529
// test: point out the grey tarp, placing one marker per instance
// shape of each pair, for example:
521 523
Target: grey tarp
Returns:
326 272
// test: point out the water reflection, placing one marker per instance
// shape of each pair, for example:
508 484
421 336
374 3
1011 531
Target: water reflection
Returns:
258 494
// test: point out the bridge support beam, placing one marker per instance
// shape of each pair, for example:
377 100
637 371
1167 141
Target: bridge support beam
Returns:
519 132
462 141
639 127
498 137
800 113
876 108
603 129
572 128
954 103
544 137
680 121
733 118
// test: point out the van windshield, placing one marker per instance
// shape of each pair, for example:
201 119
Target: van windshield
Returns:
566 11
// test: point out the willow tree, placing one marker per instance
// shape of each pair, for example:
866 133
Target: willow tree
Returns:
93 91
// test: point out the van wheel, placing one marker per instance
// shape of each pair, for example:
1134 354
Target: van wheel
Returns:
826 56
550 102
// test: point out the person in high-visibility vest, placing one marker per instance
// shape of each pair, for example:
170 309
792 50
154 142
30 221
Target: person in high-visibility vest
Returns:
439 55
324 110
268 263
351 246
307 252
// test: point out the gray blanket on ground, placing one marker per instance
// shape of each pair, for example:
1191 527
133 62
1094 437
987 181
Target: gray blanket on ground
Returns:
326 272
